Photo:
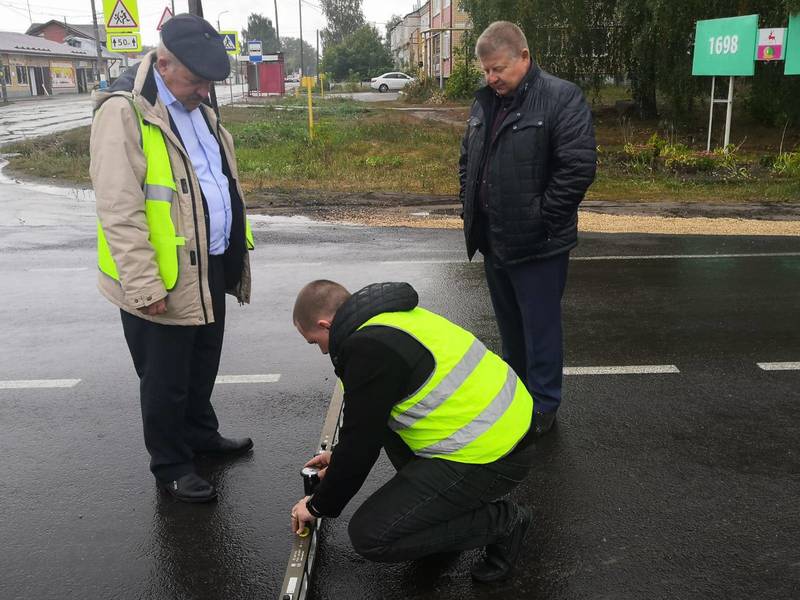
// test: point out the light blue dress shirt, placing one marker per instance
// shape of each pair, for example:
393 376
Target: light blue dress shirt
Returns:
204 152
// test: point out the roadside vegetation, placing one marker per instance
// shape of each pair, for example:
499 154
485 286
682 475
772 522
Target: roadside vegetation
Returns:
362 148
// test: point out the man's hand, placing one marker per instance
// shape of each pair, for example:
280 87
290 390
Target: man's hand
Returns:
301 516
320 462
156 308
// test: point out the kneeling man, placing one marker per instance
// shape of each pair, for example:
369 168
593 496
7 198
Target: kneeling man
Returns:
453 418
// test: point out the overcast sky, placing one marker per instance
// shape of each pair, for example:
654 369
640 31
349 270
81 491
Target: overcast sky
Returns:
14 15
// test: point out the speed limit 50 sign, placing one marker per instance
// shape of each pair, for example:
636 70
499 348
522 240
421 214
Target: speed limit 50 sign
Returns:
124 42
725 46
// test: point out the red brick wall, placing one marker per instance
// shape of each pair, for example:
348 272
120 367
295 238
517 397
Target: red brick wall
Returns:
54 33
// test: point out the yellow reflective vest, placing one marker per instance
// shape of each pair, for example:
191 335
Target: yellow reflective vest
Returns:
473 408
159 193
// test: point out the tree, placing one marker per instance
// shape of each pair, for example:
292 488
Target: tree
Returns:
650 42
393 22
260 27
345 17
291 56
361 54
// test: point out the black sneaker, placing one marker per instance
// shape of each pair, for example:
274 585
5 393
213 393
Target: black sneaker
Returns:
500 557
544 422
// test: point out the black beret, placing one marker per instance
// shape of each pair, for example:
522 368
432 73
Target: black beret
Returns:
197 45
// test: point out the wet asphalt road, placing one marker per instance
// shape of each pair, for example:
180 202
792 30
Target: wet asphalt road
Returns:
29 118
676 485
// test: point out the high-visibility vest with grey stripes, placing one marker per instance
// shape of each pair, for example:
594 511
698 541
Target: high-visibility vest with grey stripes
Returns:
472 409
159 191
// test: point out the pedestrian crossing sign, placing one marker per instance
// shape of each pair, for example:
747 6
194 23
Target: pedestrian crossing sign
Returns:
231 41
121 15
165 16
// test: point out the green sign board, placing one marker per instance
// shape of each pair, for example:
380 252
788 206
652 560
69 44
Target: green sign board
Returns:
793 46
725 46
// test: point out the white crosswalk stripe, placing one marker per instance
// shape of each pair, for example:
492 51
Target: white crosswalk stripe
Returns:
38 384
779 366
268 378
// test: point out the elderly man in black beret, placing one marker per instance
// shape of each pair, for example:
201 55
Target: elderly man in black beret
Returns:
172 240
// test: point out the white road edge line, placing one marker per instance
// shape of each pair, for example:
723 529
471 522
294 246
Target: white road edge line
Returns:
268 378
779 366
689 256
38 384
622 370
455 261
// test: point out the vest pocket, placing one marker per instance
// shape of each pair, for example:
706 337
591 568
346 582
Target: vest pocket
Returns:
164 241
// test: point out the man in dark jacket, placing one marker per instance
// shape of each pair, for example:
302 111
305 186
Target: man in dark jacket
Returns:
527 159
454 419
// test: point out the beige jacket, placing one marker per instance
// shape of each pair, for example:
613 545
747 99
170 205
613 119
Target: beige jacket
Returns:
118 173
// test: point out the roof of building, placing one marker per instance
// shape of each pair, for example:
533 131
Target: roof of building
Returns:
86 31
19 43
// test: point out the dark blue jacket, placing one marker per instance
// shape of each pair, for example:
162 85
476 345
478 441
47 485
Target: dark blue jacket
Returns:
539 167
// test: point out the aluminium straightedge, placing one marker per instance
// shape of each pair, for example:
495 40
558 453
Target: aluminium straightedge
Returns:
304 549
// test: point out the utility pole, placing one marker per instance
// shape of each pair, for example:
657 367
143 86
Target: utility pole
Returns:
196 7
30 16
302 69
318 80
3 90
173 8
98 45
277 28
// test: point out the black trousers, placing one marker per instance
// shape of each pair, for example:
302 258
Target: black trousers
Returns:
527 304
177 367
432 506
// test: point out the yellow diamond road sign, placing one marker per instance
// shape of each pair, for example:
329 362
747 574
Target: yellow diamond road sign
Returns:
121 15
231 41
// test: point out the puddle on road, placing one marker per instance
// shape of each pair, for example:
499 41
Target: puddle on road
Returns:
70 193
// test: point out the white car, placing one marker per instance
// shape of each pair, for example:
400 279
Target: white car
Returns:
390 81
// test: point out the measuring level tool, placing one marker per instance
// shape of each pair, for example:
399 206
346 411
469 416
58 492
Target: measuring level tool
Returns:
304 547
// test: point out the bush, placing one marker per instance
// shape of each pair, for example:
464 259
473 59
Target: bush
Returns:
437 97
787 163
640 157
464 79
420 90
681 159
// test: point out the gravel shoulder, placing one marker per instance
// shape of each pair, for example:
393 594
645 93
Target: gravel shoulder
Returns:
405 210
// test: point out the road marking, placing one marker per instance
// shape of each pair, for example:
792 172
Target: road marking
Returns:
690 256
269 378
450 261
779 366
38 383
622 370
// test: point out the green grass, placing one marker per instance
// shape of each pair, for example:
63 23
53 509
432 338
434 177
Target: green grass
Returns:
354 149
363 148
62 156
620 187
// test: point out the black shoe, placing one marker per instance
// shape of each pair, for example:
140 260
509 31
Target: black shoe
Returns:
190 488
227 447
501 557
543 422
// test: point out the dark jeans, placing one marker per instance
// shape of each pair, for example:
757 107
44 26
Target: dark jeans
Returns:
433 505
527 304
177 367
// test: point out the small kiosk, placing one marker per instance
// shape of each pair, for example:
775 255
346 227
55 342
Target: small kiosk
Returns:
266 77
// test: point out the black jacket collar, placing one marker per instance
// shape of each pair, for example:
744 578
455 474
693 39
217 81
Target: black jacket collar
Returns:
486 95
366 303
